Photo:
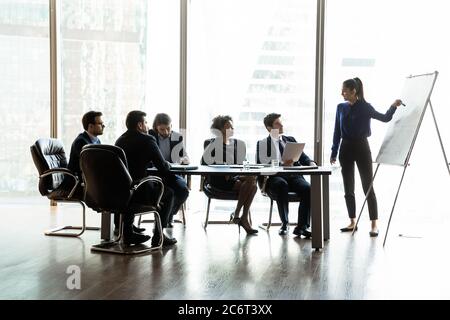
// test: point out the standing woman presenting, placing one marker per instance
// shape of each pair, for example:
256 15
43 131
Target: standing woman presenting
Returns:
351 130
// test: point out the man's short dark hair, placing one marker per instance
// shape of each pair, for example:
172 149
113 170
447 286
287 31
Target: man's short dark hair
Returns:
270 118
133 118
219 122
89 118
161 119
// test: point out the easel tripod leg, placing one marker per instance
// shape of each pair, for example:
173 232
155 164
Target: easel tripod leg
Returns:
439 136
393 206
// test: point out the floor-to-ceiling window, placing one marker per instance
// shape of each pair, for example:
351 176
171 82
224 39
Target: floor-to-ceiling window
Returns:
103 63
247 59
382 42
114 56
117 56
24 91
163 59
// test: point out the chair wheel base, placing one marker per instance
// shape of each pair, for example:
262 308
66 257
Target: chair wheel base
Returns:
121 248
56 231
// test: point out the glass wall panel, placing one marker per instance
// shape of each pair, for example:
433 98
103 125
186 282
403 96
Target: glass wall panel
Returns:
117 56
163 59
247 65
247 59
24 91
382 42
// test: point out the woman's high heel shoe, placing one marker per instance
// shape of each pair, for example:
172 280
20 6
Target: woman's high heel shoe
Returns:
234 219
247 228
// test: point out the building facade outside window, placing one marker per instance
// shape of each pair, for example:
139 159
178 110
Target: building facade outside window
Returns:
117 56
24 91
248 65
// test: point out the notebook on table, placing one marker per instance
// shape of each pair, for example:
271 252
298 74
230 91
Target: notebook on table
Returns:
182 167
300 167
250 166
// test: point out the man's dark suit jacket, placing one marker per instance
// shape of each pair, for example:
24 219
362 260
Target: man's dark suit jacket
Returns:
265 147
142 151
175 140
74 162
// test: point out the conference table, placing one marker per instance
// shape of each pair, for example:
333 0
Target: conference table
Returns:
320 209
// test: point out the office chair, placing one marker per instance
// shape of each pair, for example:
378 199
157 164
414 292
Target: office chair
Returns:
109 189
215 193
292 197
56 182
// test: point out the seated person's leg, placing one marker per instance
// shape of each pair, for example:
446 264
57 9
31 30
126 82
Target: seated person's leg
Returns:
180 194
166 207
303 189
247 192
129 236
248 188
237 187
279 186
149 194
116 225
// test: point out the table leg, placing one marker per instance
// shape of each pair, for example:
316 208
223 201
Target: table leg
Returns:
106 226
326 207
316 212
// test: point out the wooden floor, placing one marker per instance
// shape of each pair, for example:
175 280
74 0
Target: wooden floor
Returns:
221 263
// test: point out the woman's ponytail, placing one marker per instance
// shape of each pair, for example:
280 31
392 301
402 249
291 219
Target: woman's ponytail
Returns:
356 84
359 89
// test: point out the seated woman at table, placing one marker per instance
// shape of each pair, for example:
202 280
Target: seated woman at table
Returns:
224 150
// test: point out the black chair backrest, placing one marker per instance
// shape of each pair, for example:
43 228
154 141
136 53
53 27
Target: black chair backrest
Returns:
48 153
106 177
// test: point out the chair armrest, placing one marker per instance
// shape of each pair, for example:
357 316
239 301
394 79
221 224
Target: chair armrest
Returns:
63 171
156 179
58 170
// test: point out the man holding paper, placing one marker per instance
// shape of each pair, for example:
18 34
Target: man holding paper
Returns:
271 150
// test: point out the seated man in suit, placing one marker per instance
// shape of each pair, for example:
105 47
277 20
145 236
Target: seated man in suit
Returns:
142 150
271 148
93 127
171 145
